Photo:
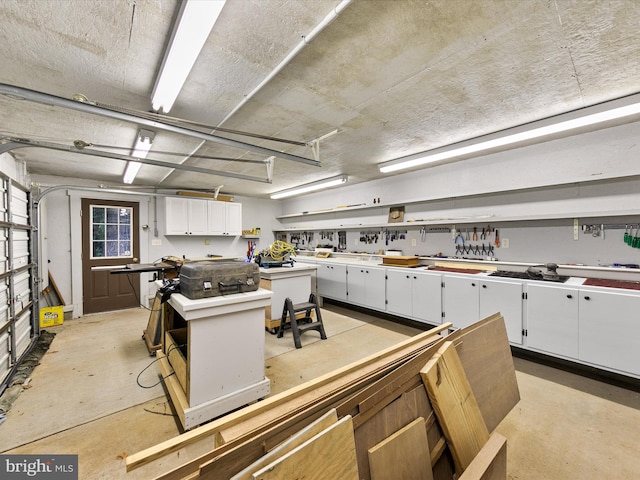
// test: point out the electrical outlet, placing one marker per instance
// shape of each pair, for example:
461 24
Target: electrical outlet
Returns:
156 242
576 228
207 241
504 243
413 242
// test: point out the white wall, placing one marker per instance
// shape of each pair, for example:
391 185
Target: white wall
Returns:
593 177
60 215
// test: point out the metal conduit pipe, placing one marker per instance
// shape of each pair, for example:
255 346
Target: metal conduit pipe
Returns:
306 39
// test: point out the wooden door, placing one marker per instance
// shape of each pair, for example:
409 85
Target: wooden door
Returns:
109 241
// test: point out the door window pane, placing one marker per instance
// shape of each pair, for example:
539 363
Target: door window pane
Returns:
111 230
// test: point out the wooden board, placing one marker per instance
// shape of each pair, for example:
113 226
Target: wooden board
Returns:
491 462
455 405
153 333
467 266
328 455
316 427
403 455
484 351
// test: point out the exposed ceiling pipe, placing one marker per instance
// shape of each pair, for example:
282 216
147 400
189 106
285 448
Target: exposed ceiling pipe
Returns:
306 39
22 143
47 99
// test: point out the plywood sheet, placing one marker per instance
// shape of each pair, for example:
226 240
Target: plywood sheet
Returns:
316 427
484 351
403 455
330 454
491 462
455 405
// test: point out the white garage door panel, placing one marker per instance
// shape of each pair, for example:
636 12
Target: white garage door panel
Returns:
23 333
19 207
20 249
5 356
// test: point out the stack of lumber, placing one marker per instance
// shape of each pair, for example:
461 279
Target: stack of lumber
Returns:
425 408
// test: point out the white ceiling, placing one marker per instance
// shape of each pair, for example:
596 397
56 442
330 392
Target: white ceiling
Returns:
395 77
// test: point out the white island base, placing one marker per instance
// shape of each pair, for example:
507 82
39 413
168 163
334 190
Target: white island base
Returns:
224 365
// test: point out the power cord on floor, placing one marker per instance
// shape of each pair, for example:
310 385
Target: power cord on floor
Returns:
172 347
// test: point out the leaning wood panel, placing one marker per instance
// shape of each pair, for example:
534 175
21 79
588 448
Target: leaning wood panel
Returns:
285 398
484 351
330 454
403 455
325 421
251 435
455 405
391 417
491 462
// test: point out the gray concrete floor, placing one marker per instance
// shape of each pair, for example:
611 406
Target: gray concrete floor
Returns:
85 398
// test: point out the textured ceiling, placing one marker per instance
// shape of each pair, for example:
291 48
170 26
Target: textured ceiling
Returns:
395 77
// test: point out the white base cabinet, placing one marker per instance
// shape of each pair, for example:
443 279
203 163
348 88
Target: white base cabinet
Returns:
331 281
552 319
415 294
467 299
366 286
609 330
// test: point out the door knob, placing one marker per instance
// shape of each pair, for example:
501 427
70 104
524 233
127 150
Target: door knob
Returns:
135 260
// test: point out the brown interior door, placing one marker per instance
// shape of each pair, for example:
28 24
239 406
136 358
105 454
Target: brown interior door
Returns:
109 241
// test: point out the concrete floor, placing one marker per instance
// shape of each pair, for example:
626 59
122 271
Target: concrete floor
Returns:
85 398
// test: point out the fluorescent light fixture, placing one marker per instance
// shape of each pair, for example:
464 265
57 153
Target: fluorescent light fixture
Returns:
140 150
195 21
310 187
520 134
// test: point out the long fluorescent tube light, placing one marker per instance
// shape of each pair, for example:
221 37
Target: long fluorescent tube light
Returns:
140 150
193 26
531 133
310 187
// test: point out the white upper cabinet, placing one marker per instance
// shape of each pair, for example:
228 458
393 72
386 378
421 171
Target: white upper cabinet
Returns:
224 218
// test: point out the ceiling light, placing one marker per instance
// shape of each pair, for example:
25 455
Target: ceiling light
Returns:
544 128
195 21
140 150
310 187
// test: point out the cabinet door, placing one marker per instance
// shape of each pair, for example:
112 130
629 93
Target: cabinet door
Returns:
356 285
375 288
332 281
197 217
504 297
399 293
609 333
552 319
176 216
216 218
461 300
426 291
234 218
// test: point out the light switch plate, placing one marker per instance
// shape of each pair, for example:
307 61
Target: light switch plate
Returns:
156 242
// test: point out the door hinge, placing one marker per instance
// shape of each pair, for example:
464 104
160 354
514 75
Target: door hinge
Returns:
524 332
442 284
524 295
442 315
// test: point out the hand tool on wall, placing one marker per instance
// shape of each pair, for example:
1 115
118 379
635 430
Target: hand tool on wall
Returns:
497 241
474 237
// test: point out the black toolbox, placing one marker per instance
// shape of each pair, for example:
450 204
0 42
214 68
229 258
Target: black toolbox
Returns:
215 278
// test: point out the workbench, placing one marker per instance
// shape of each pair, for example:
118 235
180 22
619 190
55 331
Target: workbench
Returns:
213 354
293 282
